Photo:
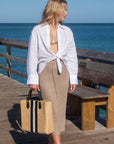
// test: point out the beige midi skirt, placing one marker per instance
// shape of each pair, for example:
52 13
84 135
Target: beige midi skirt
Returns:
54 87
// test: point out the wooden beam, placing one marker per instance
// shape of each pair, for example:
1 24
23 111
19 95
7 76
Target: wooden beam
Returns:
110 108
14 43
13 58
8 61
88 115
14 71
96 55
97 66
95 76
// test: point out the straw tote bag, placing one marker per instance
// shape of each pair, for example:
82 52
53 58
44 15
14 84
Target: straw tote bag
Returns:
36 115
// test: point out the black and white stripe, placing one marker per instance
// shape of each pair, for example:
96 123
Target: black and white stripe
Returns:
34 116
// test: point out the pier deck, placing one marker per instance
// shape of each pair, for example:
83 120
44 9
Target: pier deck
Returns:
11 92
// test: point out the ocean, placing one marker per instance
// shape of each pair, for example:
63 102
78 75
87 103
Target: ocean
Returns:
93 36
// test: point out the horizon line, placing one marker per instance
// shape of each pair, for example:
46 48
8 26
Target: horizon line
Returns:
63 23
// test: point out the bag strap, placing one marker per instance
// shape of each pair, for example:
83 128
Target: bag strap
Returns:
30 95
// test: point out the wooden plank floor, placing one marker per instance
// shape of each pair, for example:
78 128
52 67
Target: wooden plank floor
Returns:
11 92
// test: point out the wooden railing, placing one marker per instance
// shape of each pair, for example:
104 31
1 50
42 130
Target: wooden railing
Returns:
86 58
9 43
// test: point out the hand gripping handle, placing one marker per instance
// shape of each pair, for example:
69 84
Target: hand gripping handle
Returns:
30 95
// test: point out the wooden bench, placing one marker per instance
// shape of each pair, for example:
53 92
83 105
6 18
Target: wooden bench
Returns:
96 69
83 101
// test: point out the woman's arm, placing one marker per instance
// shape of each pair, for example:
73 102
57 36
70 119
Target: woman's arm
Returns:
32 60
72 62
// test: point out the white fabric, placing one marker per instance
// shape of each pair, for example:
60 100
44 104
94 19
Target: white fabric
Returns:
39 52
34 116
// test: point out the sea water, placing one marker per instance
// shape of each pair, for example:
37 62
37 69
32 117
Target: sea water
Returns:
93 36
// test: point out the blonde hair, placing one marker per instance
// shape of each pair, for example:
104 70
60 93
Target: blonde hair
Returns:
52 10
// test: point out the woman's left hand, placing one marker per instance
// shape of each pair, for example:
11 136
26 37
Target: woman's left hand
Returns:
72 87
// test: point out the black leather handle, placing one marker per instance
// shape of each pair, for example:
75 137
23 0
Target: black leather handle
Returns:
30 95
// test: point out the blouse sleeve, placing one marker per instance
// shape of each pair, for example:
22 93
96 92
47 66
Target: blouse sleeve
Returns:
72 59
32 59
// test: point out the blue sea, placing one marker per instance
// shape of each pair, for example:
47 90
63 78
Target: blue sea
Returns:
93 36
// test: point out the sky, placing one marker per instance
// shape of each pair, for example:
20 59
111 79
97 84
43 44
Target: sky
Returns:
79 11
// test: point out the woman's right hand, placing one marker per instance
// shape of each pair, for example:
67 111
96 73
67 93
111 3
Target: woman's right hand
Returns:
34 87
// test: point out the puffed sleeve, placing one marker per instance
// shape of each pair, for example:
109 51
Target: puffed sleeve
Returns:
72 59
32 58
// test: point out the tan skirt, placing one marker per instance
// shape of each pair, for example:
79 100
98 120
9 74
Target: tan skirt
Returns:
54 87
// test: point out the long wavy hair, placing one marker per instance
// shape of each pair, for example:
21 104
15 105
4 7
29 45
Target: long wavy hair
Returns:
52 10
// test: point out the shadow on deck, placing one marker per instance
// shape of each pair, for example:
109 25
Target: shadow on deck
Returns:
20 136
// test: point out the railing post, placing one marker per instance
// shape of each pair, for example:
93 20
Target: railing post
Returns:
8 61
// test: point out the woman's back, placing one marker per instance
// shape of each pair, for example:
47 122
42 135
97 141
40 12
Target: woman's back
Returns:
53 40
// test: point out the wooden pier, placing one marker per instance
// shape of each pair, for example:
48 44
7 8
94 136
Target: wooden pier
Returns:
11 92
95 69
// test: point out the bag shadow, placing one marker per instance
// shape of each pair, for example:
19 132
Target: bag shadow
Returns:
20 136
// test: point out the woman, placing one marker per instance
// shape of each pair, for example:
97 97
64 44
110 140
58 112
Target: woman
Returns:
52 49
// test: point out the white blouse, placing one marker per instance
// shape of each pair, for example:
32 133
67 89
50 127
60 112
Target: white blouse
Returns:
39 52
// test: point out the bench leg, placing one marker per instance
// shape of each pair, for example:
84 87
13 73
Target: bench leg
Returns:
110 109
88 115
